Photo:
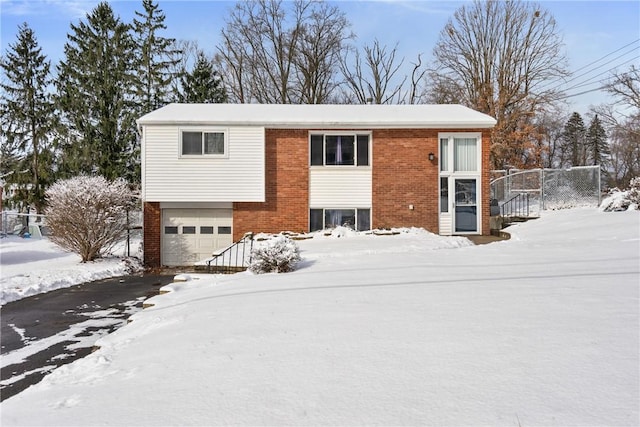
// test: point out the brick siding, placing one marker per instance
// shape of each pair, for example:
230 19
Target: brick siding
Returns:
151 234
286 206
403 176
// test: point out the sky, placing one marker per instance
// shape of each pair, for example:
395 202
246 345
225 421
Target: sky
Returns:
409 329
599 36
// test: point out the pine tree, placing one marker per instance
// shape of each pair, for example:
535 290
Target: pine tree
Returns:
597 146
95 95
573 142
26 109
155 58
203 84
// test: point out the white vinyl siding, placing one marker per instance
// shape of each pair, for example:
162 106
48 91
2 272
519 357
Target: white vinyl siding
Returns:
348 187
238 177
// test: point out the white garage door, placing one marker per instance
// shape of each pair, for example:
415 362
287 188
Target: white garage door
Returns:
191 235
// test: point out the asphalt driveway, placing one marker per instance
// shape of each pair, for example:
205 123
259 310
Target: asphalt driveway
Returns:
45 331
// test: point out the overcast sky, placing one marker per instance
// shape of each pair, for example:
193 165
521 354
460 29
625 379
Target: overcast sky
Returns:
598 35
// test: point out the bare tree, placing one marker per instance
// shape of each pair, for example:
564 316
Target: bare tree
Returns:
626 87
373 78
499 58
277 52
622 120
182 54
417 91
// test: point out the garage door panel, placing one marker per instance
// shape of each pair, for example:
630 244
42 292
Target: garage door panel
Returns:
191 235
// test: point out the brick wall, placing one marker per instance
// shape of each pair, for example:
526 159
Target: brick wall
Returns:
403 176
286 187
151 234
486 188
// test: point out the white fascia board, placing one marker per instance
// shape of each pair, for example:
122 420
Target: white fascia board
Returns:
320 116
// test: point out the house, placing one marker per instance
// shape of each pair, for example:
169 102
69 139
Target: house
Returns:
212 172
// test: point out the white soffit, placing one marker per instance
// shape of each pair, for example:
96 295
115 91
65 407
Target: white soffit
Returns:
320 116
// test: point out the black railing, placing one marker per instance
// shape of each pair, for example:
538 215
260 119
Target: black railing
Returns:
517 206
234 258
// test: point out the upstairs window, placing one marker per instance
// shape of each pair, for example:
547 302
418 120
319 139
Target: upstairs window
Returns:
340 149
459 153
199 143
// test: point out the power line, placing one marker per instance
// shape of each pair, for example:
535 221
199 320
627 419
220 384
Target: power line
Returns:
558 82
589 82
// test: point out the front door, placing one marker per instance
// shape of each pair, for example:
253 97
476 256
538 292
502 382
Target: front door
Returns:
465 218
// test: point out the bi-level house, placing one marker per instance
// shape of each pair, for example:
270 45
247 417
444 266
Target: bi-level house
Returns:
212 172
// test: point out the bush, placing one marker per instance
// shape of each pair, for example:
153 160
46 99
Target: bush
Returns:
87 214
617 200
277 255
634 191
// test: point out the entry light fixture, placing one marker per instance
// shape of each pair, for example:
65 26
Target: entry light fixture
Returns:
431 157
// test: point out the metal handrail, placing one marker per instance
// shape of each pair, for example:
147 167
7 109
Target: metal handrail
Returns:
223 260
518 205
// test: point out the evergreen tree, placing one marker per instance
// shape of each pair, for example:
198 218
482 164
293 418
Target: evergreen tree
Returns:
26 109
155 58
203 84
95 95
597 145
573 142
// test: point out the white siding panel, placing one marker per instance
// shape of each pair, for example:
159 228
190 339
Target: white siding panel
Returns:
446 224
238 178
340 187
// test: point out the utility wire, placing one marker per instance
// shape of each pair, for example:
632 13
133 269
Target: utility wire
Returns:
559 81
589 82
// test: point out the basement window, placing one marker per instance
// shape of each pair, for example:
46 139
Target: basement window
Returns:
356 219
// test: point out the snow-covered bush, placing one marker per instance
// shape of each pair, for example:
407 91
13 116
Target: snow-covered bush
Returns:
87 214
622 200
634 191
277 255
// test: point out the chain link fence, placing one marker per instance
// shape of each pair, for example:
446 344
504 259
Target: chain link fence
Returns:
35 226
549 188
16 223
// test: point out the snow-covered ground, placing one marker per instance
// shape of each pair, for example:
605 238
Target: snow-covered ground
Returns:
412 329
33 266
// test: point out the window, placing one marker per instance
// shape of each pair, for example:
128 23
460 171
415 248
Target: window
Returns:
198 143
170 230
339 149
465 156
357 219
205 229
188 229
224 230
459 153
444 194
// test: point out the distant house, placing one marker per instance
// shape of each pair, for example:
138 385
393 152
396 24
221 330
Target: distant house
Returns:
212 172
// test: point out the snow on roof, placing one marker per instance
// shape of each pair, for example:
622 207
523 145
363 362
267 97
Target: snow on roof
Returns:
320 115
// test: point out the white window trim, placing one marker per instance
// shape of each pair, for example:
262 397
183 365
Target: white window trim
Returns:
451 174
224 131
451 149
353 133
324 209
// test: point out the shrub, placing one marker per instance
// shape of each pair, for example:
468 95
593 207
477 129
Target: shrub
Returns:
87 214
634 191
617 200
277 255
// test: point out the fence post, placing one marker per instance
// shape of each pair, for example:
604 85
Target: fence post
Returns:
542 189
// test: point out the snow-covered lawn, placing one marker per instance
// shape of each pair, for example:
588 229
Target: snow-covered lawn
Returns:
413 329
32 266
